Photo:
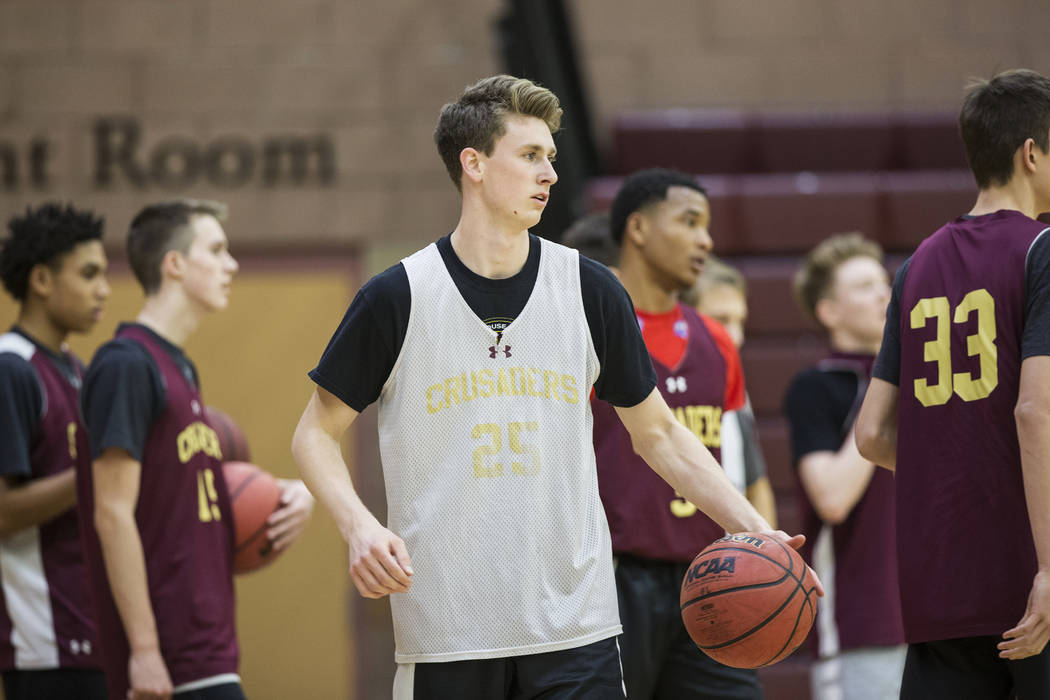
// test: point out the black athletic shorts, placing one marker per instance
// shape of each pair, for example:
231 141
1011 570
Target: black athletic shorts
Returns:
969 668
55 684
590 672
660 661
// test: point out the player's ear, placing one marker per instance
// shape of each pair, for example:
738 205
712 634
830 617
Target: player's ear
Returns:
827 312
635 228
172 265
41 280
471 163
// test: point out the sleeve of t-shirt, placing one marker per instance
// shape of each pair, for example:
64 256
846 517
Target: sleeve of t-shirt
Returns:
735 397
362 352
626 375
21 406
1036 337
813 424
123 394
754 460
888 363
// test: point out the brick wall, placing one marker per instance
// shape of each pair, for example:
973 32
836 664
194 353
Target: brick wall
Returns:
371 76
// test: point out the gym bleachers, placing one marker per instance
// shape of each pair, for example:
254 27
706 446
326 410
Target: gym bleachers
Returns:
779 184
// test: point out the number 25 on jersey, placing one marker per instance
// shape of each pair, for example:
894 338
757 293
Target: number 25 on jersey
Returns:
939 350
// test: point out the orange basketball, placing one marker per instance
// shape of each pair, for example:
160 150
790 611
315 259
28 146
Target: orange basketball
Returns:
254 495
232 443
748 600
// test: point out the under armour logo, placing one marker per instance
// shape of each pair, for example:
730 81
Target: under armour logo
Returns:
493 349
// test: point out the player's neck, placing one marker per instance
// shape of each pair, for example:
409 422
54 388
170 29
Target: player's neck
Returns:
167 315
841 341
489 250
649 292
1015 196
40 328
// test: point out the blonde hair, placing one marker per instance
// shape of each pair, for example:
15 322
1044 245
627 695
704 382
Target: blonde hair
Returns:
477 118
814 279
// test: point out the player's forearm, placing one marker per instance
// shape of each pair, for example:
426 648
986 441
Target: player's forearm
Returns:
1033 434
875 430
36 502
125 565
326 475
836 481
684 463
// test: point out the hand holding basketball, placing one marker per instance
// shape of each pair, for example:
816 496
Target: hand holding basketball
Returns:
748 600
379 561
292 514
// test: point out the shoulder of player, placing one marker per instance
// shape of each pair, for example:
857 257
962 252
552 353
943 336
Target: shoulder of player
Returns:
121 355
811 381
388 287
16 368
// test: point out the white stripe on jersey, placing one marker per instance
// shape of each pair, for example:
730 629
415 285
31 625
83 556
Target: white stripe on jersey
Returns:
824 565
14 343
28 600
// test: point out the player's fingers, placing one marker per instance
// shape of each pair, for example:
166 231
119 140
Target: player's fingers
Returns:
388 572
793 541
816 580
401 554
365 582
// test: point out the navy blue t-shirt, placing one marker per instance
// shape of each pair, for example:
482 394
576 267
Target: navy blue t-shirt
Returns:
362 352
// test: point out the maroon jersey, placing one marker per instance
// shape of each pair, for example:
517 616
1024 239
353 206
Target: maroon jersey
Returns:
184 521
646 517
856 558
966 555
46 619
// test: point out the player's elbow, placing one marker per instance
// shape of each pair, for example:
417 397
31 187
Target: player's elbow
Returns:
832 513
1032 412
871 442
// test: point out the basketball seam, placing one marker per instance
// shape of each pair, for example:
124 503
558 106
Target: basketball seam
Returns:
243 485
789 573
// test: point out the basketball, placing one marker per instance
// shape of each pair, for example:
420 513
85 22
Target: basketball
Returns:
748 600
254 495
232 443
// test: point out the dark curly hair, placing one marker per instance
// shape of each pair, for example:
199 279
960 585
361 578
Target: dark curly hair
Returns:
42 236
641 189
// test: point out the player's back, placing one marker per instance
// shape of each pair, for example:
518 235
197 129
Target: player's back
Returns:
962 315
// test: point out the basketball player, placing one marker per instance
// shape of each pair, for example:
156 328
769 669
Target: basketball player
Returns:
848 511
721 293
959 408
161 562
482 349
660 220
53 264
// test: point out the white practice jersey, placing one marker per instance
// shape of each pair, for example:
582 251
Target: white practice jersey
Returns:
490 476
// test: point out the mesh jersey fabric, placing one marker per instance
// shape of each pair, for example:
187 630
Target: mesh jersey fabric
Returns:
485 439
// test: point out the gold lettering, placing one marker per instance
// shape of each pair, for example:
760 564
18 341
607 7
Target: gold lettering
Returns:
502 387
550 384
451 390
681 508
568 386
488 386
431 408
197 437
518 381
71 433
534 379
469 395
714 428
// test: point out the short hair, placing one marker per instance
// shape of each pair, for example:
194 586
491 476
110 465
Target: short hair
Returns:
42 236
998 116
161 227
717 273
590 235
814 279
642 189
476 119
